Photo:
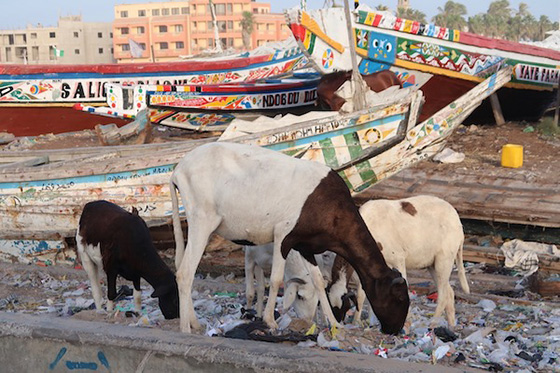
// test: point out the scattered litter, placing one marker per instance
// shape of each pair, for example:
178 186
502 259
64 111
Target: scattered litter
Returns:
523 256
529 129
489 335
487 305
448 155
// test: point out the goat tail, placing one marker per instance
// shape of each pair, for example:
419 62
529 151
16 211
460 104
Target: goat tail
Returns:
461 270
177 229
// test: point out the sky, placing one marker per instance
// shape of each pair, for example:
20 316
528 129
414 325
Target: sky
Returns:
17 14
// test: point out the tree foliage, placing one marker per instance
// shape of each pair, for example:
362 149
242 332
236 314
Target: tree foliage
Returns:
500 21
247 27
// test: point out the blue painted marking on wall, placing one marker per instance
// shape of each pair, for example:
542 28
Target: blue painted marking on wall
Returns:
103 359
58 357
72 365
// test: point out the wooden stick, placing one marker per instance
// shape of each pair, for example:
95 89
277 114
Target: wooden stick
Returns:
474 298
497 109
557 110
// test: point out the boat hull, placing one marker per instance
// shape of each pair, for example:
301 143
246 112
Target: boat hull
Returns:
32 120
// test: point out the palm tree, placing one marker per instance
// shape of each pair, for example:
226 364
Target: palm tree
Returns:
497 18
247 26
412 14
542 26
451 16
477 24
382 8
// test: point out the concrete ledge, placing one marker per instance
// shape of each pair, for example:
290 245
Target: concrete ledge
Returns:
32 343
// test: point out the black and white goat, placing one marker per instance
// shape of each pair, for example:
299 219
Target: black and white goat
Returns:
413 233
118 241
252 195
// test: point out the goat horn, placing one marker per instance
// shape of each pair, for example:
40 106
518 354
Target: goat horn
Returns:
398 281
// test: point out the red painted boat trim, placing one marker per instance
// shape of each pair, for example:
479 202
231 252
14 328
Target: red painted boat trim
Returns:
241 88
135 68
505 45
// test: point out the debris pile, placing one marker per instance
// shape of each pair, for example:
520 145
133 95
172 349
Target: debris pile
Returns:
490 334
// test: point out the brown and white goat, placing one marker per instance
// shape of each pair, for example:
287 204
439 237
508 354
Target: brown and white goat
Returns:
253 195
118 241
413 233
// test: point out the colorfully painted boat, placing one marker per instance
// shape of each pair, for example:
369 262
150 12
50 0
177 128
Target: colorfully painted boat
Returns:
43 192
442 61
38 99
209 107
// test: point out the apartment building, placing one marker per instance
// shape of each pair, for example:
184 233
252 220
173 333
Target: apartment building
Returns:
72 41
166 30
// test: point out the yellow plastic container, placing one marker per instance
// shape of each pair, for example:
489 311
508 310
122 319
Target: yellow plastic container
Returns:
512 156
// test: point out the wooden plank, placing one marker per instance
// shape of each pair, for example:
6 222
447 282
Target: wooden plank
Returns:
490 198
27 163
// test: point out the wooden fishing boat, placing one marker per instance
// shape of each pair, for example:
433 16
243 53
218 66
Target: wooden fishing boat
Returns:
39 99
443 61
208 107
42 192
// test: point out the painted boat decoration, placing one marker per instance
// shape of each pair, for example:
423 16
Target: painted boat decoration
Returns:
27 90
207 107
43 202
454 60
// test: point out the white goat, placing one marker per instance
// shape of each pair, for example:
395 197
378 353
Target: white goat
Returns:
252 195
299 291
415 233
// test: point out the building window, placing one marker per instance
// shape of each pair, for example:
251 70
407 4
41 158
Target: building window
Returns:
99 35
142 13
222 26
255 11
220 9
210 25
155 12
124 14
35 53
124 31
100 50
52 35
140 30
76 34
76 51
184 10
175 11
165 12
210 43
162 29
179 45
229 8
163 45
33 35
230 25
112 51
111 35
143 46
125 47
178 28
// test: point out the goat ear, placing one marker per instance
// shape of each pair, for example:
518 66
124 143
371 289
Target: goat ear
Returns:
290 294
399 288
134 211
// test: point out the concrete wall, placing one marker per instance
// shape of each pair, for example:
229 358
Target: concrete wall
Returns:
43 344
